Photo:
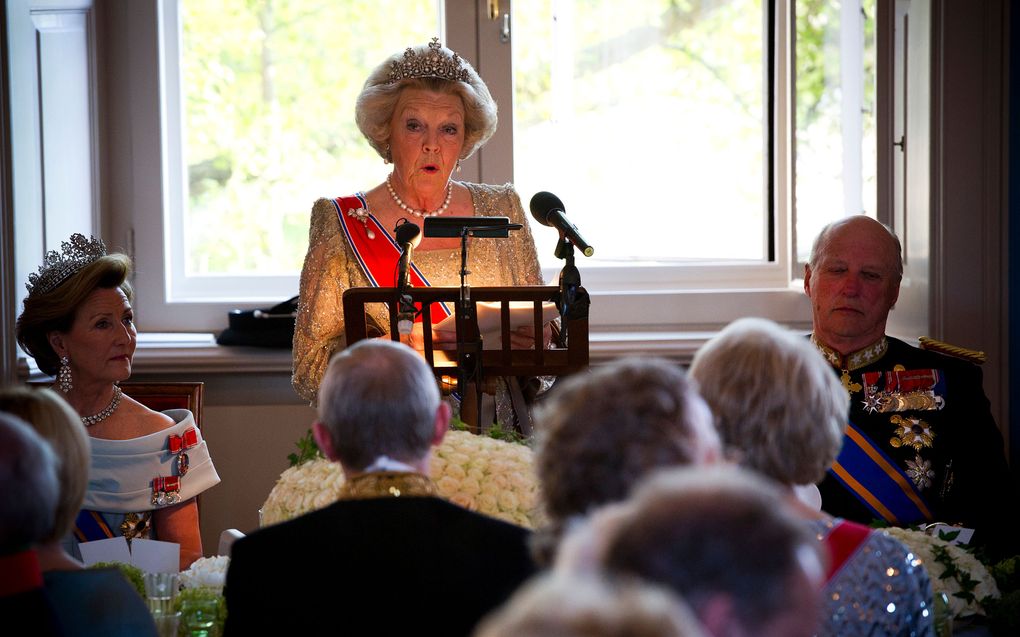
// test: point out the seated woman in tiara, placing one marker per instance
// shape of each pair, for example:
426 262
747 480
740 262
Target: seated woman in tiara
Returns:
78 325
423 111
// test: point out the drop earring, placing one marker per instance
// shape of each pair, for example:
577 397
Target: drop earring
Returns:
388 159
64 375
458 165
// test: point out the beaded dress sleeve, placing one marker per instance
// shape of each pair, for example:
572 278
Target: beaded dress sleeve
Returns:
329 269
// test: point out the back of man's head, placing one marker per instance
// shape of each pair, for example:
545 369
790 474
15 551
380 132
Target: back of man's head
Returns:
28 473
600 433
378 398
723 539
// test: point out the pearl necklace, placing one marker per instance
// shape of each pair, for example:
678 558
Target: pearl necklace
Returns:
88 421
420 213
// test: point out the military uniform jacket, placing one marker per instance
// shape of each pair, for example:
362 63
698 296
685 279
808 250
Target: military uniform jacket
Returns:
932 420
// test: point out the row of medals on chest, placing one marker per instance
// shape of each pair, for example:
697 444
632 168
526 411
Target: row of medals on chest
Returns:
883 392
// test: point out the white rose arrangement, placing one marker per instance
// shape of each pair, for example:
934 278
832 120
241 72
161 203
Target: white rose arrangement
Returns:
206 572
302 488
952 570
483 474
203 582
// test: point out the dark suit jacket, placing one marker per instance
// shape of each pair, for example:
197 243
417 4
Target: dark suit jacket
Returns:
386 566
971 483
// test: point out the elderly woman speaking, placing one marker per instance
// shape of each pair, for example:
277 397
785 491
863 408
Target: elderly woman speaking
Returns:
423 111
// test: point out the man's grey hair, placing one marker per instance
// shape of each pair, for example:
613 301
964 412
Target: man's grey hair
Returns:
821 243
378 397
28 473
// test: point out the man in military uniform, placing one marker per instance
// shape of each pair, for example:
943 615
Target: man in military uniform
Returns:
921 445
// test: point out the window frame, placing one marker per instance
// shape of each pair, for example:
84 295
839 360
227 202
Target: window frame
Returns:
636 298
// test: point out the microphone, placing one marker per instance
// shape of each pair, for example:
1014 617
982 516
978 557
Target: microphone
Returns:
548 210
407 232
408 236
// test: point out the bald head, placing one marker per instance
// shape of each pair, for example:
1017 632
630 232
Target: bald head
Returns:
859 228
853 280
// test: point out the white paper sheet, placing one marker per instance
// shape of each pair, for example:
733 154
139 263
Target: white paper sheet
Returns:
114 549
152 556
521 314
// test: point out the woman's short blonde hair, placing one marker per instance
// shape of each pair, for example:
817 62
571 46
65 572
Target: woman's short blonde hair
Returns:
53 419
776 401
374 108
55 310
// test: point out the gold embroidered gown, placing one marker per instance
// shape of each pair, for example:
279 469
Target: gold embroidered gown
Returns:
330 268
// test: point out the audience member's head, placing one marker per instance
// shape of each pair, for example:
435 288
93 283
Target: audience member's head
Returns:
564 606
379 398
723 539
600 433
28 473
58 424
777 405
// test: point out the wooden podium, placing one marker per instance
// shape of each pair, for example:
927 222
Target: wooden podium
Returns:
467 361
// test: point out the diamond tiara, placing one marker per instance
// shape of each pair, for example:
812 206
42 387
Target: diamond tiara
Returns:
74 255
433 63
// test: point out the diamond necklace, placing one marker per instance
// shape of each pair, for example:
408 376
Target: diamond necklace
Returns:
420 213
88 421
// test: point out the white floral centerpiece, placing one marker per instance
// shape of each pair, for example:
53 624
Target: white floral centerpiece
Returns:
206 572
483 474
952 570
203 582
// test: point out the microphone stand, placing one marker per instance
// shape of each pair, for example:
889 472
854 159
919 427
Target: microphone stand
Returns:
573 301
405 304
469 340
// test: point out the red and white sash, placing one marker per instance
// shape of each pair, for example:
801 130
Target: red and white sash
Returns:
843 542
378 256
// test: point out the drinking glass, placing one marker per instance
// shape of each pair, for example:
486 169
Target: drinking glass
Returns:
160 589
166 623
199 617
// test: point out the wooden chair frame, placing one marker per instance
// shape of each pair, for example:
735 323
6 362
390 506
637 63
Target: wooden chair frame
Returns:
160 396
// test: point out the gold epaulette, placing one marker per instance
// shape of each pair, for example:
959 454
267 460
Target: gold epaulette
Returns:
972 355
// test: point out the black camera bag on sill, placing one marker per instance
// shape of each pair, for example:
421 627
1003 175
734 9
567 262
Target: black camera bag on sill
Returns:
273 327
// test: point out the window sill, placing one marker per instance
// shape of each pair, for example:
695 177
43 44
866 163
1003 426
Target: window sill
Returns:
187 353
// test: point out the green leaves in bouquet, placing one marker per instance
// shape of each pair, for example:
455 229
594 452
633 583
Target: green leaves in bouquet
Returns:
307 450
967 583
496 431
132 573
1004 613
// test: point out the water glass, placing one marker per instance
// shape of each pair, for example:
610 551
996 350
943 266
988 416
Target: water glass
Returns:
166 623
160 589
199 617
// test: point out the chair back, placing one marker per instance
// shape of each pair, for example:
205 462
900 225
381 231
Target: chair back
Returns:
160 396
